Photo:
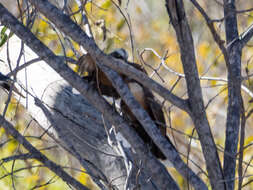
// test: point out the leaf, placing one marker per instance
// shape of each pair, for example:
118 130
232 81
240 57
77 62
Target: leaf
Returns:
3 40
248 140
3 36
203 49
121 24
85 179
3 30
106 4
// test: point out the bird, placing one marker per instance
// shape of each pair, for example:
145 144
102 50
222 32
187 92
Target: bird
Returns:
6 83
142 94
94 76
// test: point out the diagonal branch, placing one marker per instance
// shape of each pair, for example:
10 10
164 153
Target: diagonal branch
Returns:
163 143
246 36
142 116
214 33
155 169
65 24
39 156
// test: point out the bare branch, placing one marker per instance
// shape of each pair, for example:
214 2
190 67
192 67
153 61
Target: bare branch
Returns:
39 156
152 130
210 25
175 9
158 172
246 36
65 24
234 92
163 143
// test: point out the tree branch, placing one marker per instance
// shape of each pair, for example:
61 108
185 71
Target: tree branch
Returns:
246 36
179 21
141 115
155 169
165 145
65 24
39 156
234 92
210 25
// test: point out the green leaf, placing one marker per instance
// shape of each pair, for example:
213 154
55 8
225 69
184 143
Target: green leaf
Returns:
3 39
3 30
3 36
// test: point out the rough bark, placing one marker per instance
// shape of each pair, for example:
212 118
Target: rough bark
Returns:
179 21
76 143
234 92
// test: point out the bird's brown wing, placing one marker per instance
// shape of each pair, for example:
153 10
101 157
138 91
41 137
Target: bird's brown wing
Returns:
85 64
146 99
94 74
143 95
156 111
153 108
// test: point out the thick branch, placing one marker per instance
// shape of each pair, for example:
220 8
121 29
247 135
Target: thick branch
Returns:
141 115
234 92
65 24
155 169
165 145
179 21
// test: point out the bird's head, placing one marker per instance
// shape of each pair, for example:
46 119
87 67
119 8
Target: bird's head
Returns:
120 54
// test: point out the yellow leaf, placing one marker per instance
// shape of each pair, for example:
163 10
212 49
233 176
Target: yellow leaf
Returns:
12 146
42 25
250 18
88 6
138 10
188 131
213 82
106 4
203 49
2 132
70 53
155 25
85 179
32 178
248 140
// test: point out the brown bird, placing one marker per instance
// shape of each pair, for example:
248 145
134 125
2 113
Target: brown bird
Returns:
95 76
143 95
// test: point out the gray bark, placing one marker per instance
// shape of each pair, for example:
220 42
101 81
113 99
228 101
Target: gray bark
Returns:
198 115
73 123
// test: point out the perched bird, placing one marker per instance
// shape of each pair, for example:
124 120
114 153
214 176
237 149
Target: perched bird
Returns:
143 95
95 76
6 82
